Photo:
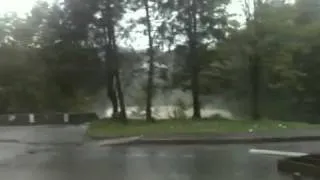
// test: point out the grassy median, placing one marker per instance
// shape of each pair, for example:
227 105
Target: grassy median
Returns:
106 128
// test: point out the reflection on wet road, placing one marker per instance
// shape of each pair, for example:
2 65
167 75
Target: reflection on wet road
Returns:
52 162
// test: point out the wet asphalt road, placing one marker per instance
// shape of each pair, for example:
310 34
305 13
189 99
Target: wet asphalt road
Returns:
50 153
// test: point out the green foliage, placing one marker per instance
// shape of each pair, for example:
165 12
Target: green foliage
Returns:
283 44
39 74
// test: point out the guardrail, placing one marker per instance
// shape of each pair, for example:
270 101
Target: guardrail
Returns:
22 119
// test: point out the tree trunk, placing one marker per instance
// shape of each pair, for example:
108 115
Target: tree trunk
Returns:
150 86
195 95
255 65
194 61
255 87
123 114
115 63
114 52
111 92
114 89
109 75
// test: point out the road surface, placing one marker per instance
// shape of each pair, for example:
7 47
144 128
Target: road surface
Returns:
52 153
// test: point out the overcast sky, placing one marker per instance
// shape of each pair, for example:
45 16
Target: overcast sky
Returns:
24 6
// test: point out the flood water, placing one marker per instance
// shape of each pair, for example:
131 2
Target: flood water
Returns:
41 161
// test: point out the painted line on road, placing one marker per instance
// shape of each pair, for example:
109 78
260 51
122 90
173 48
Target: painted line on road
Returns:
187 156
138 155
277 153
161 155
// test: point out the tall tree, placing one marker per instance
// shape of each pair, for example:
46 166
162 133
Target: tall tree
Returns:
113 72
150 86
254 59
110 14
94 23
192 38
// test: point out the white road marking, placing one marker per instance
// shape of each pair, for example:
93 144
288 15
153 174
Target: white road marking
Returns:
277 153
138 155
187 156
162 155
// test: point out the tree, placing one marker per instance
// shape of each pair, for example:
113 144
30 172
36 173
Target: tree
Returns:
113 68
198 22
72 70
151 64
20 67
95 23
275 42
307 59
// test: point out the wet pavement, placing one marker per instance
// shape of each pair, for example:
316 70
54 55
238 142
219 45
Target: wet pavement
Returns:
50 160
61 134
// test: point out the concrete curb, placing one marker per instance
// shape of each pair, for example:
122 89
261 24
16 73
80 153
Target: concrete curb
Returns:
117 141
136 141
303 166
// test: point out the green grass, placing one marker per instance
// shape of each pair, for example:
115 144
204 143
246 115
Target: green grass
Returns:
108 129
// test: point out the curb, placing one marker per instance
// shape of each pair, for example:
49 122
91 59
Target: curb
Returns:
303 166
117 141
207 141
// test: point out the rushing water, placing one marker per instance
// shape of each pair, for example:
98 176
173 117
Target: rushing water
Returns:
165 112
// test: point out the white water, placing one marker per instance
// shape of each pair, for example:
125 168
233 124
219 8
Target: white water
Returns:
167 103
166 112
